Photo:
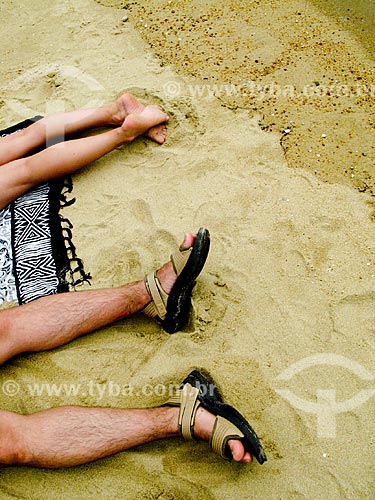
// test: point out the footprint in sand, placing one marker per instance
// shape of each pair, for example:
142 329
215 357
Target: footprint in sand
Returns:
141 211
354 316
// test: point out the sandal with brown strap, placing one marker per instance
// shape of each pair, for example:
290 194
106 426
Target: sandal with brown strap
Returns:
172 310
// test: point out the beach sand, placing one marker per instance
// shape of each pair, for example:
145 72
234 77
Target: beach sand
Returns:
283 313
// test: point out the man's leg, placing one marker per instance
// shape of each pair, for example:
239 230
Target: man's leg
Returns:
18 176
45 130
57 319
68 436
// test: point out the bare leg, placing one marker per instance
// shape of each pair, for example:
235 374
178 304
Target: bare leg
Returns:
68 436
57 319
20 175
41 132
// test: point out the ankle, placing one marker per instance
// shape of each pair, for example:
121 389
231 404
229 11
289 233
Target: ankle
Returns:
204 424
123 136
144 293
108 114
166 421
167 277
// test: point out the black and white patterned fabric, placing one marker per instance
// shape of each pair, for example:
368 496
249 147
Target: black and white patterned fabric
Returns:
8 291
37 256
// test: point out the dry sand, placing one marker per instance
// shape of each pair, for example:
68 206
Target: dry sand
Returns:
290 274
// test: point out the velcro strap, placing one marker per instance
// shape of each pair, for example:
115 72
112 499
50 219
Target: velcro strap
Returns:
159 298
222 432
175 400
179 259
188 408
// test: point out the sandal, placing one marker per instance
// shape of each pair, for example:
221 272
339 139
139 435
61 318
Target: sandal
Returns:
196 390
172 310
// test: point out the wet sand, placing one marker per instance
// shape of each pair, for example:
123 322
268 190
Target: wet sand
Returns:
290 275
307 67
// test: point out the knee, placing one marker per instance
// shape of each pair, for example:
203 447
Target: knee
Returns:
12 449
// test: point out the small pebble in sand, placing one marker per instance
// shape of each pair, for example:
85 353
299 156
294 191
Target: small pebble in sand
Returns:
325 455
324 136
124 19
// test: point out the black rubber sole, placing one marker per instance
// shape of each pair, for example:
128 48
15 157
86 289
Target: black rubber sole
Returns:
179 300
211 400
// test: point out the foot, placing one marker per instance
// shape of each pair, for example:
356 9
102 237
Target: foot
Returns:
203 426
136 124
203 414
170 288
127 104
166 274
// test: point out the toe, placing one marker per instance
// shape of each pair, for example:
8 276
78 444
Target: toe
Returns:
247 458
158 133
188 240
238 451
161 134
